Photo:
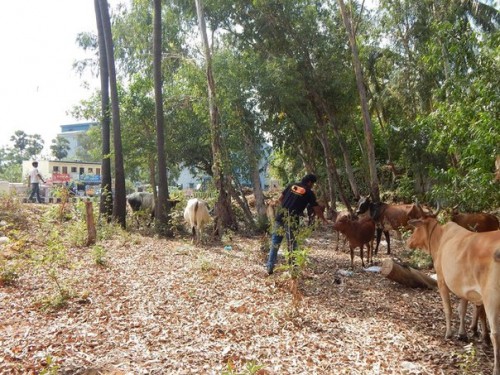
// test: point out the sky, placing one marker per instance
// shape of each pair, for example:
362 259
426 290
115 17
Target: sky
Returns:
38 84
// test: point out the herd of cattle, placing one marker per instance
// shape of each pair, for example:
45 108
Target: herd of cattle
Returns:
465 251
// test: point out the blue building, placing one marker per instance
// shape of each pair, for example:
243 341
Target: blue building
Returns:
73 132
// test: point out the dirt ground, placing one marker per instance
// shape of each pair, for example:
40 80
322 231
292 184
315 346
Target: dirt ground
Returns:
165 306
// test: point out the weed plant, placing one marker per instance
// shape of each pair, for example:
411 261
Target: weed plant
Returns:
251 368
469 361
99 255
8 272
51 259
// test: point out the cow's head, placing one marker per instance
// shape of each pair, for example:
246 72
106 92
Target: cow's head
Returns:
420 237
364 204
341 223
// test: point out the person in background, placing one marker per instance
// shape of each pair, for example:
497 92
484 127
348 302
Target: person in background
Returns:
293 200
34 179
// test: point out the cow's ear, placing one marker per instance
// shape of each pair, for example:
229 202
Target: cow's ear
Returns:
415 222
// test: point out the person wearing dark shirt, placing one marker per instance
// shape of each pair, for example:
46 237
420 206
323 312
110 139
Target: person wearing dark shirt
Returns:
293 200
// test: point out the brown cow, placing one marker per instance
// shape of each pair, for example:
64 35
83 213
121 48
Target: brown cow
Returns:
311 213
467 264
391 216
358 232
476 222
336 217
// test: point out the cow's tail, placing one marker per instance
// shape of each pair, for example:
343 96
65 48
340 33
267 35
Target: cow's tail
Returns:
497 255
196 214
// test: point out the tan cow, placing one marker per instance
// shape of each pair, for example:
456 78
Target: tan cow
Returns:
467 264
197 216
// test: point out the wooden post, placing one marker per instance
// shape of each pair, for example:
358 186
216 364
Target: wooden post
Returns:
406 275
90 223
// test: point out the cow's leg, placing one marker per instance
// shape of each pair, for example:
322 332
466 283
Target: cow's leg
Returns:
445 298
462 310
379 236
193 234
200 234
361 254
352 256
370 252
473 324
481 314
388 239
492 309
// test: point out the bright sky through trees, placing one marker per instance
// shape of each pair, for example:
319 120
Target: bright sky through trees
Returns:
39 47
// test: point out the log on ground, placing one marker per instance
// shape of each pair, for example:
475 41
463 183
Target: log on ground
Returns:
406 275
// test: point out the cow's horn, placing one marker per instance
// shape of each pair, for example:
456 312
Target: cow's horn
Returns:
438 209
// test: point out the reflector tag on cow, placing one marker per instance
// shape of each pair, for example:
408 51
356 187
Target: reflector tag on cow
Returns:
299 190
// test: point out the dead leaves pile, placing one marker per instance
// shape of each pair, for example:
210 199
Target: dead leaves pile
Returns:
167 307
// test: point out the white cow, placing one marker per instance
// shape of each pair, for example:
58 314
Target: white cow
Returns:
197 216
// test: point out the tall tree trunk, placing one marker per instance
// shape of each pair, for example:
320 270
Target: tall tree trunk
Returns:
323 190
162 206
330 165
252 152
370 144
243 203
223 211
347 158
119 204
322 112
152 177
106 200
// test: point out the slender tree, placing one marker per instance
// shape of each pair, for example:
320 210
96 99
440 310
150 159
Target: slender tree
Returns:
162 208
223 210
119 204
106 201
370 145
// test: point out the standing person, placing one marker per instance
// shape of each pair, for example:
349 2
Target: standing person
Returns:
34 178
293 200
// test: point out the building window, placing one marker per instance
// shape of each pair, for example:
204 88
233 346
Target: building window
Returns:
82 170
90 170
98 171
65 170
73 169
55 169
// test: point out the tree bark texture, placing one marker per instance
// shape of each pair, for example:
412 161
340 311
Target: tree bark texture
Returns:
91 231
119 204
162 205
364 104
224 217
406 276
252 152
106 200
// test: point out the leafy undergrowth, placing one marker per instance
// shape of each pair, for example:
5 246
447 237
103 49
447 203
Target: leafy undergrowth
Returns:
143 305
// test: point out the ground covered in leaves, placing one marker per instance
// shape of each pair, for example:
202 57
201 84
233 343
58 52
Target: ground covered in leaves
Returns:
142 305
